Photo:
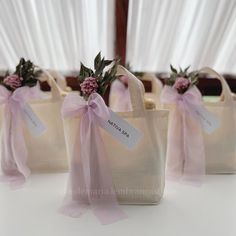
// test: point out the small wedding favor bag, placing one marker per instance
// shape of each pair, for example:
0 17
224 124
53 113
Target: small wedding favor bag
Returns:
138 174
190 121
220 146
47 152
21 151
185 148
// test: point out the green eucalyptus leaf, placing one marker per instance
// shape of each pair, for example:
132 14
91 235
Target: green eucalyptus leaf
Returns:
108 62
86 71
173 69
113 70
81 71
106 76
101 67
186 69
97 61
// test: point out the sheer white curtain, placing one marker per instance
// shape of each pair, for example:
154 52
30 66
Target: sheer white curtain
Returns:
182 32
55 34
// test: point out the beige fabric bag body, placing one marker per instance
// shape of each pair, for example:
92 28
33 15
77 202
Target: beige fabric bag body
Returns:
47 152
220 146
138 174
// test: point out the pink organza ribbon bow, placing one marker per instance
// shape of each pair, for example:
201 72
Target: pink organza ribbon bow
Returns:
185 150
90 180
13 147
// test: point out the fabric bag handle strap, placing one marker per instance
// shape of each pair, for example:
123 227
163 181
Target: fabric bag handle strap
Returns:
61 80
226 91
56 91
155 82
136 90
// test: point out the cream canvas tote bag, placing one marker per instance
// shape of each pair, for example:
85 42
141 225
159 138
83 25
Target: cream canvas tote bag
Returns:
138 175
47 152
220 146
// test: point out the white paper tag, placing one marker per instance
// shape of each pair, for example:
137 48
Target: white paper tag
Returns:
209 121
32 121
121 130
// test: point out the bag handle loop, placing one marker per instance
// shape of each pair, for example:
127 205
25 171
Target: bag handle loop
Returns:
56 91
155 82
226 91
61 80
136 90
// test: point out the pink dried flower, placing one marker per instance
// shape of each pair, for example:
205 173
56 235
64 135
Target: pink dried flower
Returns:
89 86
13 81
181 84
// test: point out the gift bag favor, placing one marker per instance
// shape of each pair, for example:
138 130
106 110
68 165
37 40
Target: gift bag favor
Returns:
102 169
189 119
32 137
220 145
47 152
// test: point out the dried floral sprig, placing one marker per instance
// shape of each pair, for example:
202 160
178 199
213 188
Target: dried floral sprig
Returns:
182 80
97 80
25 75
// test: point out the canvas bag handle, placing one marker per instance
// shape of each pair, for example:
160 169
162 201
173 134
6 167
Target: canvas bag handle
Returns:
136 90
225 87
60 79
56 91
155 82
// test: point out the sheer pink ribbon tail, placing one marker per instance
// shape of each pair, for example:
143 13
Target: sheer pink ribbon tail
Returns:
90 180
185 149
13 147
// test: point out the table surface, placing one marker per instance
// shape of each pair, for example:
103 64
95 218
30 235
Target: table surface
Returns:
209 210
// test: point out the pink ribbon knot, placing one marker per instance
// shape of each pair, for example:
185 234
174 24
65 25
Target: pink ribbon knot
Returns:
13 147
185 150
90 179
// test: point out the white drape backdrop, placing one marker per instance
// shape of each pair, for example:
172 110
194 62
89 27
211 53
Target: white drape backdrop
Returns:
55 34
182 32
